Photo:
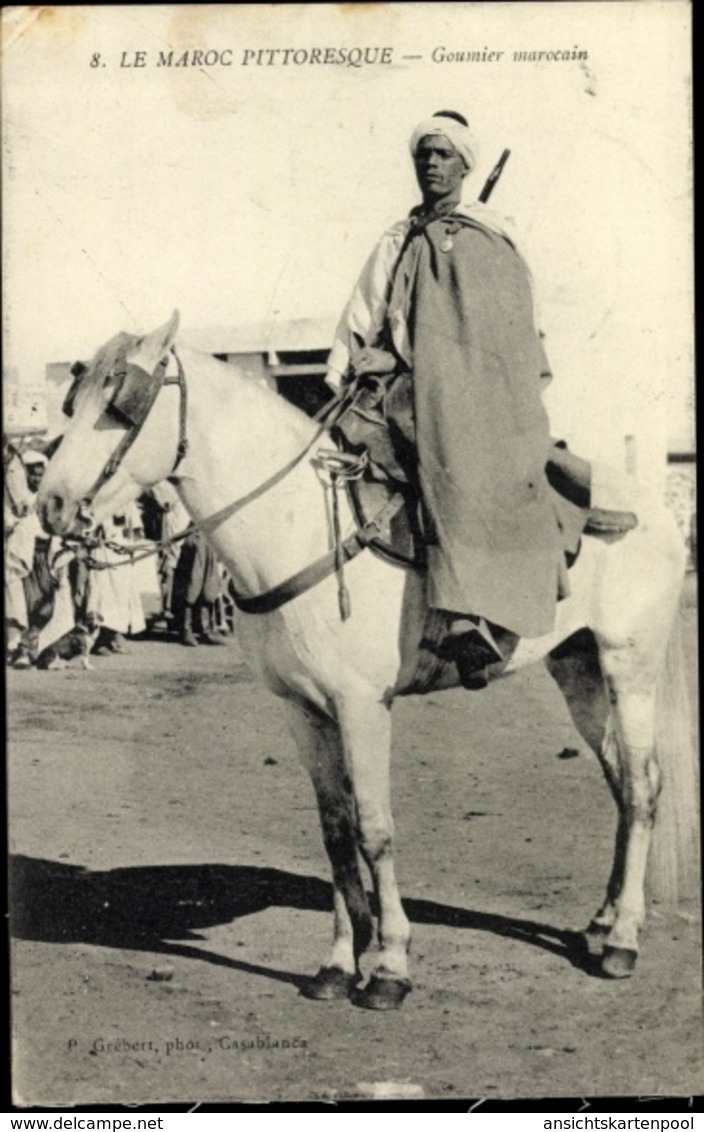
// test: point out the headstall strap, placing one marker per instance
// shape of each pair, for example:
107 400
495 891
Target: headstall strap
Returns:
180 380
132 403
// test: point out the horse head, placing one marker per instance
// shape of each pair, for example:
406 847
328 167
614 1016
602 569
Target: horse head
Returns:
120 437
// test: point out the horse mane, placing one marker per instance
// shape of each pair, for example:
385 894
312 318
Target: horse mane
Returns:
111 350
124 342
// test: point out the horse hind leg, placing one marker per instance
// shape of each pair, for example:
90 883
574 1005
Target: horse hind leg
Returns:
576 669
320 749
636 648
610 690
631 687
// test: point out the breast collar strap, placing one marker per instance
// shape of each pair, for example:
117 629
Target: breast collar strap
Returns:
153 383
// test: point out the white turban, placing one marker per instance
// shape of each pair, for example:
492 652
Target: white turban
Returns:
460 136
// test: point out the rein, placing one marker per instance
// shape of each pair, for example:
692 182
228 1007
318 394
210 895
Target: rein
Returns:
136 411
212 522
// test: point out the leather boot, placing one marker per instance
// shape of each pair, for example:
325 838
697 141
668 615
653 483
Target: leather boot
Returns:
188 637
470 644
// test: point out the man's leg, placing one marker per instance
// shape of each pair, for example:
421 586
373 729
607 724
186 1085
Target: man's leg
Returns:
188 636
209 634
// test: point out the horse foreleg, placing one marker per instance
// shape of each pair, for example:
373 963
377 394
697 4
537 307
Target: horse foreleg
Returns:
320 748
366 734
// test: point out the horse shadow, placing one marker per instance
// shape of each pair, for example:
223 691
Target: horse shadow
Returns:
164 909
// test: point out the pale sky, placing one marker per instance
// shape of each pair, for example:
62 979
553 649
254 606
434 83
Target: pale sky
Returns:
240 193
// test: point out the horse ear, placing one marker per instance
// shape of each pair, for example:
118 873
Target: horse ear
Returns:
78 372
151 349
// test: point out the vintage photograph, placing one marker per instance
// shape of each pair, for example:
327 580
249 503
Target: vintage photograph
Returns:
350 552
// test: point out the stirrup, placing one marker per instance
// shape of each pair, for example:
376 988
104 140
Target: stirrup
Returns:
472 649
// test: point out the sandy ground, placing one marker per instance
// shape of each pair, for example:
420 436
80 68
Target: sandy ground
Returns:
170 894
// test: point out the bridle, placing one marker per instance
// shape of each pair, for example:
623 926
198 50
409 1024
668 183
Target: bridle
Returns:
134 397
135 394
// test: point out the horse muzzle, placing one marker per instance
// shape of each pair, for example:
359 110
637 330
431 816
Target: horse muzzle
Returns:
58 516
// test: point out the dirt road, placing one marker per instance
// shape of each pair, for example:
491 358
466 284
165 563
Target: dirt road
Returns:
171 892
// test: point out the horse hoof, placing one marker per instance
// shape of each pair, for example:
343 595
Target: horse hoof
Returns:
382 992
618 962
330 983
595 937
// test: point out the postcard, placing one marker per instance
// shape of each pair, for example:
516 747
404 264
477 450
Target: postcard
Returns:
220 895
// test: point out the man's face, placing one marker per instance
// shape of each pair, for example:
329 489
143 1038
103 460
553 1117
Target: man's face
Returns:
439 168
34 474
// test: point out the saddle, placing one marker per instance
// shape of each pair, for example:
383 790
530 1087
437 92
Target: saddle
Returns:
379 429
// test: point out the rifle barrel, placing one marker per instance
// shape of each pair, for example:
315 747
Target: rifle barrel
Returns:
494 176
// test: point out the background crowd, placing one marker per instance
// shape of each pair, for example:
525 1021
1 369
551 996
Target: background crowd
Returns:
105 588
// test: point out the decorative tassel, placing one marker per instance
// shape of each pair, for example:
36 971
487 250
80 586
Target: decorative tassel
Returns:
343 596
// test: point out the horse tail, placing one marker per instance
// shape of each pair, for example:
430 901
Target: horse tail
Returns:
674 857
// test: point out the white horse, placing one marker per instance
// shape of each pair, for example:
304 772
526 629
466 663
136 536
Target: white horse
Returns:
621 679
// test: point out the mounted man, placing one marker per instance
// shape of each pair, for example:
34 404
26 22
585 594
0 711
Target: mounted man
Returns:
446 301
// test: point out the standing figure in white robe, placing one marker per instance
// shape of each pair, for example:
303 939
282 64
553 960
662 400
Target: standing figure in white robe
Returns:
114 594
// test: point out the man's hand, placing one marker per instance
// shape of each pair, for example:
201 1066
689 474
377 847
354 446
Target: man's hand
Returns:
371 360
